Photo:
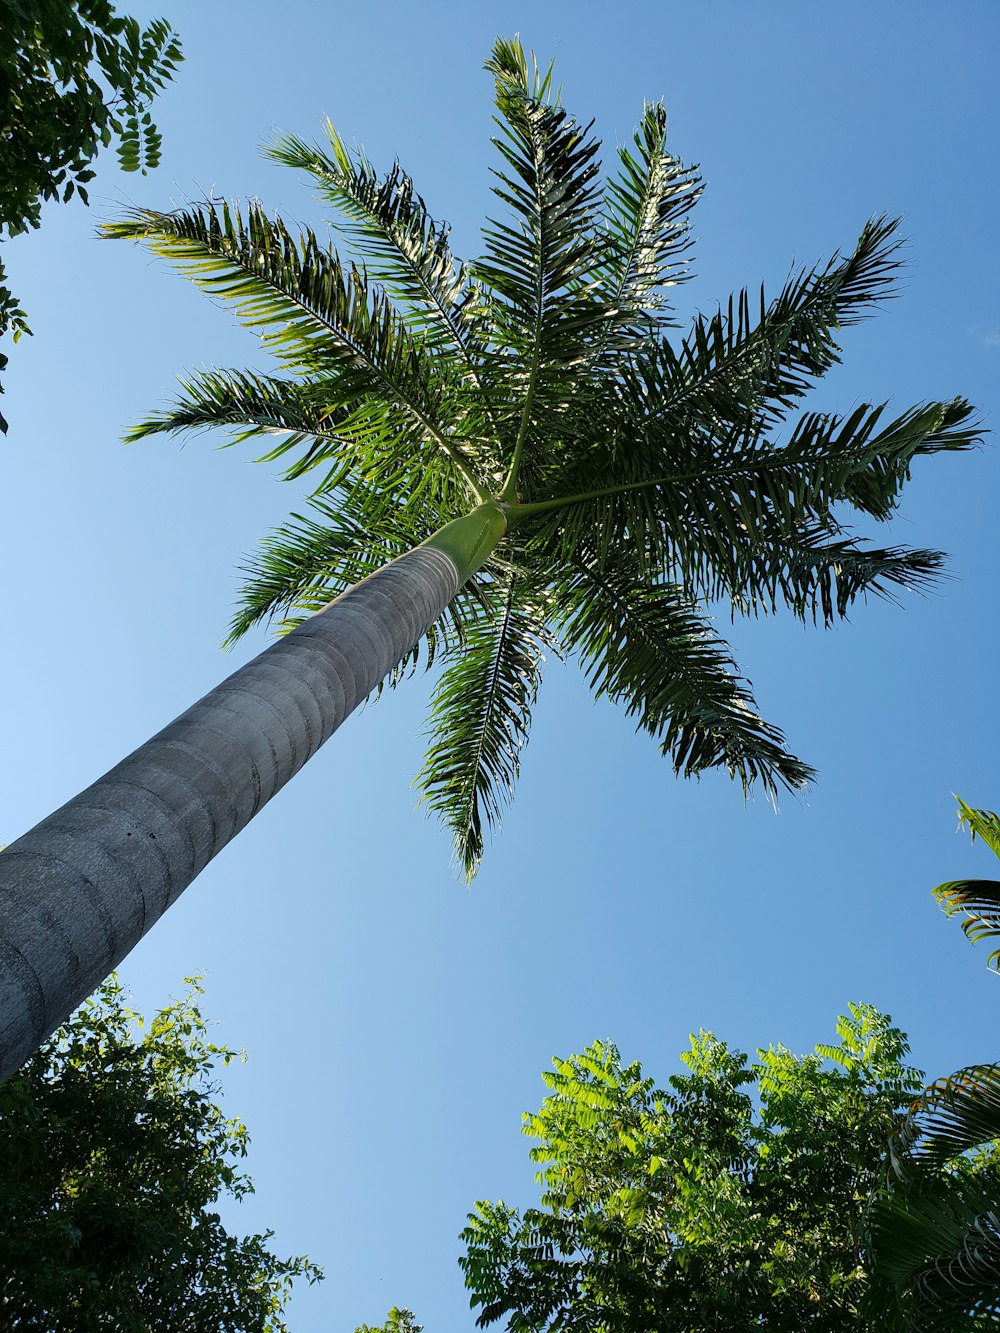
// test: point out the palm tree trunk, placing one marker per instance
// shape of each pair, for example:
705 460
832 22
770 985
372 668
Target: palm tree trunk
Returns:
81 888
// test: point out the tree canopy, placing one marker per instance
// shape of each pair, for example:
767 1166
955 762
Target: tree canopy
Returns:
633 475
398 1321
74 75
113 1153
732 1199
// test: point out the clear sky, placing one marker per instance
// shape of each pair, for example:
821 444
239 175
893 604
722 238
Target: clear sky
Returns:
397 1022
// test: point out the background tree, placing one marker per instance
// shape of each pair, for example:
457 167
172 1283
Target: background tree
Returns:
934 1232
74 74
541 466
113 1152
731 1200
398 1321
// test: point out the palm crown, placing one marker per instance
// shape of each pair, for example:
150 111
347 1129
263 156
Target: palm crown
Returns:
631 478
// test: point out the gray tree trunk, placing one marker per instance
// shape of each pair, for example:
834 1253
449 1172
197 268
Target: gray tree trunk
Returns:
81 888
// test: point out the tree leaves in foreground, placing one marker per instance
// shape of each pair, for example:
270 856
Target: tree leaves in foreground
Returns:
732 1199
113 1155
934 1232
636 474
74 74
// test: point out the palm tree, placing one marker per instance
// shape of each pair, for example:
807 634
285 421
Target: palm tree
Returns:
934 1231
512 459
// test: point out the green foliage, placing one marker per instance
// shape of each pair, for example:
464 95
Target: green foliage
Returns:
977 899
731 1200
74 74
934 1230
398 1321
639 477
112 1155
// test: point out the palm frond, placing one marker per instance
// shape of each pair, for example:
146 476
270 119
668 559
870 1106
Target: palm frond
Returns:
934 1229
374 439
808 568
646 647
874 483
646 229
540 261
951 1116
831 458
313 314
762 514
759 519
828 460
734 371
819 580
401 244
982 824
933 1248
978 899
480 718
715 466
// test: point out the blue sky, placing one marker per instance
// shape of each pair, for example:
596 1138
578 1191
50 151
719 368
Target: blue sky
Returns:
396 1021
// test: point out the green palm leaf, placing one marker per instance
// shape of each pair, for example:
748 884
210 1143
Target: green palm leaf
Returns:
978 899
701 515
950 1117
818 579
934 1248
549 181
646 647
401 244
759 529
313 314
733 371
542 266
981 824
306 417
482 714
927 429
934 1230
646 229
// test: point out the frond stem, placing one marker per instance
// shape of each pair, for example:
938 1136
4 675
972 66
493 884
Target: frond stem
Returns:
519 511
510 485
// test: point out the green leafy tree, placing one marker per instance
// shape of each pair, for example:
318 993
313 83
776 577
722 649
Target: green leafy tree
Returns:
113 1153
731 1200
934 1231
74 74
398 1321
511 457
